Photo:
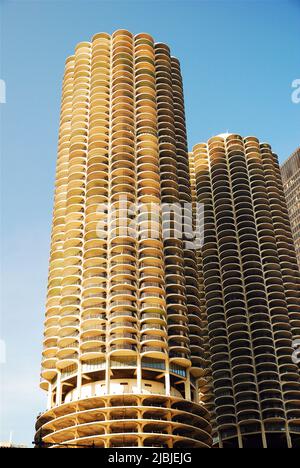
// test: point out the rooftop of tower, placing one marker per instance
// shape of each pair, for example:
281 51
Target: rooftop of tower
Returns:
224 135
229 135
125 32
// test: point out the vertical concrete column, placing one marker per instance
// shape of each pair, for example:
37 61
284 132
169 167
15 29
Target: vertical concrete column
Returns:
139 374
79 380
58 389
107 375
49 401
264 437
188 394
288 436
240 438
170 443
197 389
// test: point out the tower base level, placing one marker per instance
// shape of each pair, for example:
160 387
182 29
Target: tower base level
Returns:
127 420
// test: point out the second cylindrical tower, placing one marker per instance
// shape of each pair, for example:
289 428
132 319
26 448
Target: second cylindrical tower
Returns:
251 283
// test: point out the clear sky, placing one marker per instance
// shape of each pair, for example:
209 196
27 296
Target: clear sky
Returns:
239 59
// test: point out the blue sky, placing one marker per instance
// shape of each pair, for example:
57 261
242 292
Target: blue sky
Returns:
239 59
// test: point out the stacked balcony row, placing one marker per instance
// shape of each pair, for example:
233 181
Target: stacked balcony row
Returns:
127 421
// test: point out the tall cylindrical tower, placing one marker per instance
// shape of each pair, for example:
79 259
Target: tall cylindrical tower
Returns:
251 284
122 355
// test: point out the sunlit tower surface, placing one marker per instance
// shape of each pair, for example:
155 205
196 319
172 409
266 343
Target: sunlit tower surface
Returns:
123 350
